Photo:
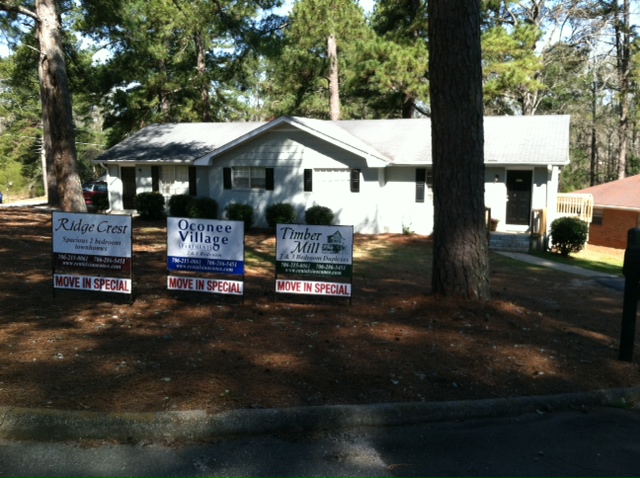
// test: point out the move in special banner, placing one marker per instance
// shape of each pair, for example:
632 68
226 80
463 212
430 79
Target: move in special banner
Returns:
205 245
314 250
115 285
92 241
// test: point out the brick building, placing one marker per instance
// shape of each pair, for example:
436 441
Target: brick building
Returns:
616 209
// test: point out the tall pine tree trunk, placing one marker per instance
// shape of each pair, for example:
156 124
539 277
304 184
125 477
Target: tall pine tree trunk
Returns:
201 68
623 53
334 87
57 117
460 245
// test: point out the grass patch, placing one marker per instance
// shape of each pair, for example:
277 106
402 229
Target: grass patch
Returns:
606 261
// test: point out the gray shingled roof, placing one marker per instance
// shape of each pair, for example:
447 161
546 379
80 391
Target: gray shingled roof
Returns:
508 139
175 142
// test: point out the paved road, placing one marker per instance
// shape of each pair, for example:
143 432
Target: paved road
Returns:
598 442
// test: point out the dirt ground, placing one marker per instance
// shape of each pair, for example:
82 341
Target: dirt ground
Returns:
544 332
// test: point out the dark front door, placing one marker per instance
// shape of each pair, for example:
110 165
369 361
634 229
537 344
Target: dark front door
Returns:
128 187
519 197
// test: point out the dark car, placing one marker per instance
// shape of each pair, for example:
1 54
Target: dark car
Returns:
94 190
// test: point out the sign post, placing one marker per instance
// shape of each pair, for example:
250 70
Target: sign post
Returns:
631 271
205 246
95 243
319 251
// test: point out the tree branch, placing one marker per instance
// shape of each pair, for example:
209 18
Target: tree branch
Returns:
19 9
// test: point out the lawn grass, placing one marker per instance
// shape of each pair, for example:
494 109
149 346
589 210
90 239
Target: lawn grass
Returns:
598 259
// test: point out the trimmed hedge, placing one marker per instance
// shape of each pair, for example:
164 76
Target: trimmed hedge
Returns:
149 205
318 216
281 213
240 212
101 202
202 208
179 205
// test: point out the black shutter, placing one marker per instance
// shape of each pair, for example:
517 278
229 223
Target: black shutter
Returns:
226 175
308 180
155 178
355 181
269 179
421 179
193 184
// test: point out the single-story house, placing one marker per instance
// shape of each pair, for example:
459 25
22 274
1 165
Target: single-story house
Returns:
374 174
616 209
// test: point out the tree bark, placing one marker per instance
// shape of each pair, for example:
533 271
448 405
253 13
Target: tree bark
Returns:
334 87
623 53
460 245
201 68
57 118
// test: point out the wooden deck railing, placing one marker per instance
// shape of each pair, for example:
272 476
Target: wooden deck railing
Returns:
575 205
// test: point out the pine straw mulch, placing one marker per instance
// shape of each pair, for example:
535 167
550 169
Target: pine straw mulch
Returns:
545 332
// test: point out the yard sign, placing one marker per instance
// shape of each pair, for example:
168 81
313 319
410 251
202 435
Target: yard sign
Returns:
205 246
321 251
95 243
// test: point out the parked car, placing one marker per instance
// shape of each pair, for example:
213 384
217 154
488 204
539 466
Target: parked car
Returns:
94 190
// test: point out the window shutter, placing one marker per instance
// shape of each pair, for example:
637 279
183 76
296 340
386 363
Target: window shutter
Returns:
155 178
226 174
193 184
355 181
269 181
421 179
308 180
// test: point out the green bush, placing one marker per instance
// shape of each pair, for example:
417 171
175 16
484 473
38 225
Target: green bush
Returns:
240 212
569 234
318 216
101 202
203 208
150 206
281 213
179 205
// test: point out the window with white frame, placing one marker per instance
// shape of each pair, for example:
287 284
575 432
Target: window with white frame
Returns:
249 177
174 180
332 175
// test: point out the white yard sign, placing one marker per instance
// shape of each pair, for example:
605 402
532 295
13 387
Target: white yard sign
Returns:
95 242
208 246
323 251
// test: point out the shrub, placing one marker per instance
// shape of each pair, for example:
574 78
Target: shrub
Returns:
150 206
101 202
281 213
318 216
569 234
179 205
203 208
240 212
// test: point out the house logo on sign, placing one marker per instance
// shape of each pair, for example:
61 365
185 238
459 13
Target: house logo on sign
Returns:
334 244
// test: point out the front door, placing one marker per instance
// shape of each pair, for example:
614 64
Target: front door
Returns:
128 187
519 197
